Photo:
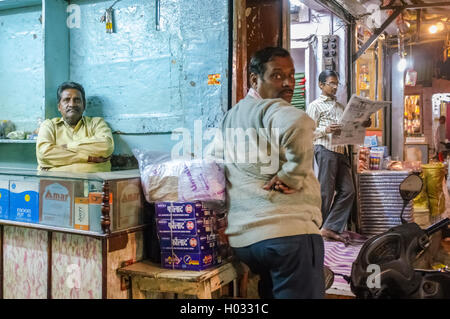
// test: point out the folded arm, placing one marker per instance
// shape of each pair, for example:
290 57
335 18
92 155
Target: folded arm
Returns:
297 131
49 154
95 149
101 144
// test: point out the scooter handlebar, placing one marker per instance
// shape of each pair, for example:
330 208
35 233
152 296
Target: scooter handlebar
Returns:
438 226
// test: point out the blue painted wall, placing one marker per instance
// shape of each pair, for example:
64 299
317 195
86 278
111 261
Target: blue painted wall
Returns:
21 67
144 82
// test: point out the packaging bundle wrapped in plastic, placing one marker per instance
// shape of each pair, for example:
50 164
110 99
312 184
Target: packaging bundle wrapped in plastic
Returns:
421 200
165 180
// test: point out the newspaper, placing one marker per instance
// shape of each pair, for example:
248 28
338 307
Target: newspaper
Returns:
357 111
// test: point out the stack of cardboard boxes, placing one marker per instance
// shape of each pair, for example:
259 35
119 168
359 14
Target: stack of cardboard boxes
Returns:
187 234
73 204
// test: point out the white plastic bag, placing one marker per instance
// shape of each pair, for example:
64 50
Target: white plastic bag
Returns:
165 180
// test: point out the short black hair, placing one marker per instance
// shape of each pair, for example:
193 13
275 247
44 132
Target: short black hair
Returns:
71 85
261 57
324 75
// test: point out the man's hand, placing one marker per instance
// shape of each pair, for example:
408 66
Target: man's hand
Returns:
99 159
367 123
334 129
276 184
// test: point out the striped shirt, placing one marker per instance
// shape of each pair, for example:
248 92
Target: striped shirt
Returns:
325 111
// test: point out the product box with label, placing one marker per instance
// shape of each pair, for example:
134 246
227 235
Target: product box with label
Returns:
189 227
4 199
56 201
189 261
95 211
187 243
24 200
128 203
81 213
181 210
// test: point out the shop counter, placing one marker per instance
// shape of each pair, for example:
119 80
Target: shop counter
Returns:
64 235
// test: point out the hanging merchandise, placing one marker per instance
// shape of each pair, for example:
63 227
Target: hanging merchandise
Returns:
411 74
410 78
299 98
108 18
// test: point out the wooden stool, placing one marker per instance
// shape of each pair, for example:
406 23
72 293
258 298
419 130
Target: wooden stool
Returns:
146 276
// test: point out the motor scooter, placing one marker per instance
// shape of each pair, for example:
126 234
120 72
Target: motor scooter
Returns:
384 266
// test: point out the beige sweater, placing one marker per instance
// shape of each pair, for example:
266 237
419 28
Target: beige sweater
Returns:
255 214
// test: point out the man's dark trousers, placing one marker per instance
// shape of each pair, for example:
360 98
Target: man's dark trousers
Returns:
289 267
335 175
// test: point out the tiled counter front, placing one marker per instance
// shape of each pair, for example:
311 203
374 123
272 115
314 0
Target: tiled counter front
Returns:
73 266
25 263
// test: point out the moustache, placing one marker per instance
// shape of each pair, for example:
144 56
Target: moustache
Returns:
289 91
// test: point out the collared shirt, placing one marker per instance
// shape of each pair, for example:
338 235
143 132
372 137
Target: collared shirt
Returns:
325 111
254 94
90 137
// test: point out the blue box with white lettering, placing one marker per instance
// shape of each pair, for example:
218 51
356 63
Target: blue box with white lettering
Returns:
4 199
189 227
194 244
189 261
179 210
24 201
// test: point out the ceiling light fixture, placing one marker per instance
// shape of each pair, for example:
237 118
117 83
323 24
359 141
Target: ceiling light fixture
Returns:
433 29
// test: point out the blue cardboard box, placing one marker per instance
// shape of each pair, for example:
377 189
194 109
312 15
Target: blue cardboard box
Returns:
194 244
24 201
181 210
4 199
189 227
189 261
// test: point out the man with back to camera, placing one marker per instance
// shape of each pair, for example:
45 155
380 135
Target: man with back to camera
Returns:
274 218
335 173
74 142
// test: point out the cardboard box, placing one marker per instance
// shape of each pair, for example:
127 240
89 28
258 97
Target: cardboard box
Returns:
95 211
129 205
4 199
189 261
24 200
190 227
126 204
81 213
188 210
195 244
56 201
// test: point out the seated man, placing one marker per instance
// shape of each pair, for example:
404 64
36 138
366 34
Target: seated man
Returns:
74 143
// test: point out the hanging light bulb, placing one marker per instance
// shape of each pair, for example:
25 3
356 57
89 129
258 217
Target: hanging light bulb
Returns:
433 29
402 64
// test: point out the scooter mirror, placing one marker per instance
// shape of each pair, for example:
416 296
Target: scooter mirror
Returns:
411 187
